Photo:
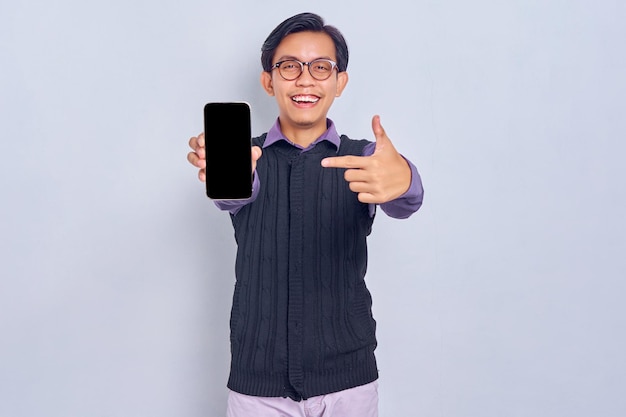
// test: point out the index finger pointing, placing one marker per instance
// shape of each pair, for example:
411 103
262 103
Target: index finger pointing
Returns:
349 161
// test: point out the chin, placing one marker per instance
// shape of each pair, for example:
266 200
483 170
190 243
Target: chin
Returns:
307 122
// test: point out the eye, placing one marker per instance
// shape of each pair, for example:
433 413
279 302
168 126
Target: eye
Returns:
290 66
321 66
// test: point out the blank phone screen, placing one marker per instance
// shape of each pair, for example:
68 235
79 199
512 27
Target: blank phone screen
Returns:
228 141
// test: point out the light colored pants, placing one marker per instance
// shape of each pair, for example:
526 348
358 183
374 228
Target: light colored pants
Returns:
354 402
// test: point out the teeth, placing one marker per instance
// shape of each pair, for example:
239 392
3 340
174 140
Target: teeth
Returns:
305 99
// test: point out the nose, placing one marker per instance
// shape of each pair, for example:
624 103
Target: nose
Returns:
305 77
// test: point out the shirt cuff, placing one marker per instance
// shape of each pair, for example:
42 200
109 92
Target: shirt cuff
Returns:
409 202
233 206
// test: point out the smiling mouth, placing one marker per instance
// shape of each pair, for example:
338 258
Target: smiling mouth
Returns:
305 99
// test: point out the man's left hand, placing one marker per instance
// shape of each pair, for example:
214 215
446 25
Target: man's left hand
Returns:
381 177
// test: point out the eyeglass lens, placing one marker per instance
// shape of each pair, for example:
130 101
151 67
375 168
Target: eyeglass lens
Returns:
319 69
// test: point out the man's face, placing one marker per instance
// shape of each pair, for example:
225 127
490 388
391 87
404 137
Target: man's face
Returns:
304 102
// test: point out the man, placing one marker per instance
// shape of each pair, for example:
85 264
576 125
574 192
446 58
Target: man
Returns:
302 331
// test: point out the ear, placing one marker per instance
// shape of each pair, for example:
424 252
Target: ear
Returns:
342 81
266 82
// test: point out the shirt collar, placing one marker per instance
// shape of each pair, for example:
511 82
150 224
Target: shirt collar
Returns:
275 134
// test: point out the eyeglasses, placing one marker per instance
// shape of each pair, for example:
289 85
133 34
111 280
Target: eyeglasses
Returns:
290 69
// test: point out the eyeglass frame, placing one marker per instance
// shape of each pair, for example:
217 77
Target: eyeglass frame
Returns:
333 65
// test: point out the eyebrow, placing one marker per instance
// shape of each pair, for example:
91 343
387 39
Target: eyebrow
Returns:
289 57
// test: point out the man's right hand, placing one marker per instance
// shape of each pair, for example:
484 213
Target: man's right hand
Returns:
197 157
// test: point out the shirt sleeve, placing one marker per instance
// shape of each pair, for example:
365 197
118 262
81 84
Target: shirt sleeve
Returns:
409 202
400 208
233 206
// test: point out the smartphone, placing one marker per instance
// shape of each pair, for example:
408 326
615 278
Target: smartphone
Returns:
228 142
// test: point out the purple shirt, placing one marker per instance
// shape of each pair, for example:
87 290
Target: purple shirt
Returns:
400 208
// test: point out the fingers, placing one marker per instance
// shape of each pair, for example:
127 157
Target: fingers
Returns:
196 161
197 157
197 142
368 198
359 175
363 182
256 154
344 162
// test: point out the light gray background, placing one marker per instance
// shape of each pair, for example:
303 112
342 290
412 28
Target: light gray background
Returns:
503 296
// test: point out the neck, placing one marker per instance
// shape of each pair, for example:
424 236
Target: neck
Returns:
303 135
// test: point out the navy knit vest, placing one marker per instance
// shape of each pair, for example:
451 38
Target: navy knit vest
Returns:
301 320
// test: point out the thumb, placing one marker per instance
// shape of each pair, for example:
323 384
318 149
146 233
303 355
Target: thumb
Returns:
382 140
256 153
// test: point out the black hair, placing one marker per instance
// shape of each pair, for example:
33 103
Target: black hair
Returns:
303 22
